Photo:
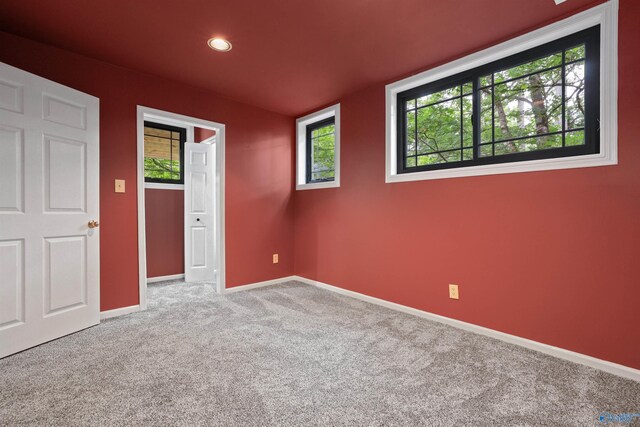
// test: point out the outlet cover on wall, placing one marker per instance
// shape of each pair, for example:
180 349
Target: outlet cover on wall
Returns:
275 258
453 292
119 185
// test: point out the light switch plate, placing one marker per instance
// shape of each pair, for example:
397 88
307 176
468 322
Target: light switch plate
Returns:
119 185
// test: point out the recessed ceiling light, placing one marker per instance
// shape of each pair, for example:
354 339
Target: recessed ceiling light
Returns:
220 45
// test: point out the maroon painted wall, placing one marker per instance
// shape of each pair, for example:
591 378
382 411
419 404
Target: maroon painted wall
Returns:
549 256
200 134
259 177
164 224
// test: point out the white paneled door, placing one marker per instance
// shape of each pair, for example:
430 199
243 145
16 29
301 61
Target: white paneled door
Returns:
49 207
199 219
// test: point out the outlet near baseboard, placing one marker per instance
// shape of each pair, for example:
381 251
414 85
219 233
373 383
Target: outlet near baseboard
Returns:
275 258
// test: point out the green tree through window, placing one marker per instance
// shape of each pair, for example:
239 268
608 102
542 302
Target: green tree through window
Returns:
538 104
321 151
163 153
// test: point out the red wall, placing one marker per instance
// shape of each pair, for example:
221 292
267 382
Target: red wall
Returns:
164 223
259 214
200 134
549 256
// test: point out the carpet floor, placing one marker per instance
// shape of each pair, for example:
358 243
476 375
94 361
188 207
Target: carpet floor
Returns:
293 355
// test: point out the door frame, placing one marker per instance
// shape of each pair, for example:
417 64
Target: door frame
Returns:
146 113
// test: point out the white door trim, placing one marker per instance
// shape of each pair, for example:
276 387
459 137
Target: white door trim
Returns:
151 113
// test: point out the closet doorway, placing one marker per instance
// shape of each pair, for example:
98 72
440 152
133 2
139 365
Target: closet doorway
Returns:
180 199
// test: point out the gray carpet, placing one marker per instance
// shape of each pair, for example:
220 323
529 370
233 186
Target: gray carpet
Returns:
294 355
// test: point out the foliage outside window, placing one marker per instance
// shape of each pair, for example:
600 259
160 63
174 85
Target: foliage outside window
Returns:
541 103
321 151
163 153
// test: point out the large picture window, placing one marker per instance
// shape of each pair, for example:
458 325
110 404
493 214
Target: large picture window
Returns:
163 153
538 104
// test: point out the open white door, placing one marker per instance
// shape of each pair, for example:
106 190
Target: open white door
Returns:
49 194
199 220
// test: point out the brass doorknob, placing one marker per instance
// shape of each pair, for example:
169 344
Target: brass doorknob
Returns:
94 224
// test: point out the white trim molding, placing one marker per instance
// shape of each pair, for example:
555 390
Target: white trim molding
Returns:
162 186
146 113
605 15
165 278
560 353
301 148
260 284
119 312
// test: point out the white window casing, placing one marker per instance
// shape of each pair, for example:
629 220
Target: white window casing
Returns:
605 15
301 148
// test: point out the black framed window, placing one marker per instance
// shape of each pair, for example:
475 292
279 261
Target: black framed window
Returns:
540 103
164 153
321 150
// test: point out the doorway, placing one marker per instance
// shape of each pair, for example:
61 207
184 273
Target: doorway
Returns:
182 146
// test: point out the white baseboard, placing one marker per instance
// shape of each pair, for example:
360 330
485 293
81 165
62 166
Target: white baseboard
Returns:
260 284
165 278
583 359
571 356
119 311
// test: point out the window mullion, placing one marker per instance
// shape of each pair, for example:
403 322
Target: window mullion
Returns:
415 131
493 115
461 122
563 73
475 117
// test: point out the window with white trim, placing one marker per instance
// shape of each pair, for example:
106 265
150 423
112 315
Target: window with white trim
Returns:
540 103
547 104
318 149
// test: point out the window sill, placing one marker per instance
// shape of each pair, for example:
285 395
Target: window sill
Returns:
318 185
514 167
161 186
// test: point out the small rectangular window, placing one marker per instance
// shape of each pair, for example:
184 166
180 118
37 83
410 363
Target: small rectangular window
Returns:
318 149
321 151
540 103
163 153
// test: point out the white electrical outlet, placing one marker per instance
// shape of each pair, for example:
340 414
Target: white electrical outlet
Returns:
453 292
